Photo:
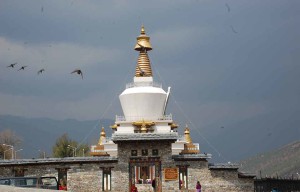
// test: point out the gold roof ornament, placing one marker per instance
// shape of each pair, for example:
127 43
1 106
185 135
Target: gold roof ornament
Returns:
115 126
143 41
173 125
187 135
143 128
143 67
189 147
102 137
143 125
99 148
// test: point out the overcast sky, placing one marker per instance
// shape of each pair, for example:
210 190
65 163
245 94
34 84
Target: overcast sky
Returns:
226 61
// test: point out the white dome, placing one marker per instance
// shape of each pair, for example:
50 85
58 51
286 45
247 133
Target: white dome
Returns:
143 102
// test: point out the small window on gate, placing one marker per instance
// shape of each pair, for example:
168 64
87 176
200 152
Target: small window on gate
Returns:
154 152
133 152
144 152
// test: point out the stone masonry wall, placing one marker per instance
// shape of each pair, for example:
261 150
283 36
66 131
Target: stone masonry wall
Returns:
87 177
217 180
41 170
84 178
120 178
80 177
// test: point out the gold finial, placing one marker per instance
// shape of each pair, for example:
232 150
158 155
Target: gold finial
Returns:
99 150
102 137
143 30
143 67
143 41
187 135
103 132
189 147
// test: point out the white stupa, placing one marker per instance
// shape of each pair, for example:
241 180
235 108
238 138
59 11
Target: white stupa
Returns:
144 101
144 105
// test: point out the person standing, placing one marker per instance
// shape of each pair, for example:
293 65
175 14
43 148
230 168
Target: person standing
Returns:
62 185
198 186
153 184
134 188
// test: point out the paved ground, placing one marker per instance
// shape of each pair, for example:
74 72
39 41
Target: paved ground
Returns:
4 188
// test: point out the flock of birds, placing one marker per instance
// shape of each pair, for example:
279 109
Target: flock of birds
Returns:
76 71
228 9
79 72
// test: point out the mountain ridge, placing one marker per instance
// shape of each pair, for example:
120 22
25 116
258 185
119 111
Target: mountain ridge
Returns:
282 162
41 133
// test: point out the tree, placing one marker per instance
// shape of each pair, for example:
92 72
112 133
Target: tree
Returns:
8 137
83 150
66 147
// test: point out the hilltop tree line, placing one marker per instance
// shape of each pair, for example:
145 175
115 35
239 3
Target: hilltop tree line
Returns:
66 147
63 147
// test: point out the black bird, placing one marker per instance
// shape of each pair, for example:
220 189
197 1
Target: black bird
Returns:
22 68
78 71
233 30
143 47
12 65
228 8
40 71
222 127
142 72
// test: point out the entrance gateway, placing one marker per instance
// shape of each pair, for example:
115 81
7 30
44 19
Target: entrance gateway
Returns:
143 171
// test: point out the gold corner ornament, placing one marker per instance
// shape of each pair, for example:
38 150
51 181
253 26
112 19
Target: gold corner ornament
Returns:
115 126
189 147
103 132
102 137
173 125
187 135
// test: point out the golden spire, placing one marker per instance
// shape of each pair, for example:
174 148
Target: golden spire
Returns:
102 137
189 147
187 135
143 67
143 30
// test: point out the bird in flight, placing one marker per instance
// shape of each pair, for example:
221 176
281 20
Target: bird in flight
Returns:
40 71
78 71
12 65
22 68
233 30
142 72
228 8
143 47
